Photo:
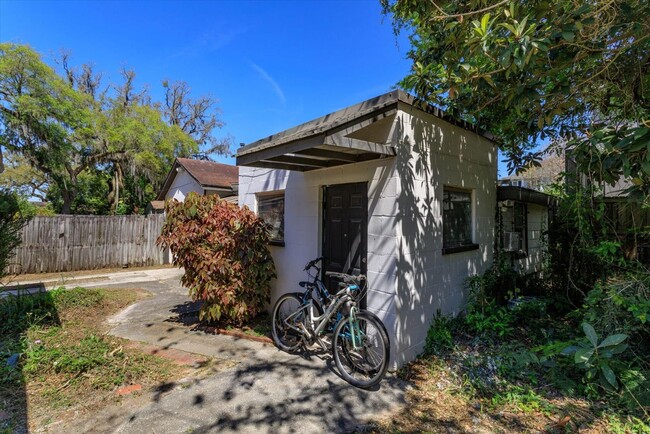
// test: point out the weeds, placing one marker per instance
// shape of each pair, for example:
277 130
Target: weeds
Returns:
439 336
64 357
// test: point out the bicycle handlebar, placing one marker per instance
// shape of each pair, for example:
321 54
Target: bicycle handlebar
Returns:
347 278
312 263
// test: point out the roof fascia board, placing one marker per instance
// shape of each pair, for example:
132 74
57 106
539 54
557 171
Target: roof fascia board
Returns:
276 151
168 181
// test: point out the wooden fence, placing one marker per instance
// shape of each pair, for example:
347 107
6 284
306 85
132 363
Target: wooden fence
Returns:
68 243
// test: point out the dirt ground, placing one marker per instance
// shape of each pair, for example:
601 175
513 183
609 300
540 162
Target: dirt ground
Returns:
437 403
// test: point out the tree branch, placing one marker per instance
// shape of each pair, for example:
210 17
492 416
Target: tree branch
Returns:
446 16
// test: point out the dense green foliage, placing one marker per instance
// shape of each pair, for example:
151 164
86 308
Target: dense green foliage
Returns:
580 332
529 355
574 73
224 252
89 151
11 224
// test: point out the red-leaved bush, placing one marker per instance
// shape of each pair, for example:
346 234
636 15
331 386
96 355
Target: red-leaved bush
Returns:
224 251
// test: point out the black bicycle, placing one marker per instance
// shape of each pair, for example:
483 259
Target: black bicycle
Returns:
359 341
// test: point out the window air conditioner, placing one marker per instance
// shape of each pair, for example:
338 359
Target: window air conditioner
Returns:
511 241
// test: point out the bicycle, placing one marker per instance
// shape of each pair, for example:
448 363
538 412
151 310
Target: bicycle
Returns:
360 344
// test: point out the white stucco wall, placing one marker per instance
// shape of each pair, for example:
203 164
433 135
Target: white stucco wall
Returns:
409 278
183 185
434 154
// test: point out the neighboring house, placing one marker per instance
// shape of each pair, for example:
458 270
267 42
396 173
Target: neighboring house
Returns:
540 178
392 188
200 176
522 222
625 220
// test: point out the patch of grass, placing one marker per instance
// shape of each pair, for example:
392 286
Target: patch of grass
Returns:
78 298
619 425
523 399
66 358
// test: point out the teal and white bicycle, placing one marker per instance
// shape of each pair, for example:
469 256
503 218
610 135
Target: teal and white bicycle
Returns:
359 340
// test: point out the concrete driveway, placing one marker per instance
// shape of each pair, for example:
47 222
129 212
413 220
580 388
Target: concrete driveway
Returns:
260 390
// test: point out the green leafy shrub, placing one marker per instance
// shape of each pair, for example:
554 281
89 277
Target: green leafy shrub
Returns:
11 225
483 314
595 358
224 251
439 336
621 305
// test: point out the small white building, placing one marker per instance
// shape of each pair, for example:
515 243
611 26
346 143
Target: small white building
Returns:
200 176
391 188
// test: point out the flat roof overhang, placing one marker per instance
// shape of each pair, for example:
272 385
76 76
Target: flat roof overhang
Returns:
318 153
313 149
357 133
525 195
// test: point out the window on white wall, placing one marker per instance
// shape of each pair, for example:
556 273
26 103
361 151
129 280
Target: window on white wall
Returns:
519 225
270 207
457 220
514 221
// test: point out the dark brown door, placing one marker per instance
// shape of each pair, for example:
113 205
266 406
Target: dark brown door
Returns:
345 229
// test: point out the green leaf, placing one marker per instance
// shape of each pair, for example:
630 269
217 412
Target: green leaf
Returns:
570 350
568 36
485 21
640 132
510 27
612 340
489 80
583 355
590 333
609 375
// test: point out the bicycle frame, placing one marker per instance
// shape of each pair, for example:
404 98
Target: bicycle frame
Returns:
341 298
359 341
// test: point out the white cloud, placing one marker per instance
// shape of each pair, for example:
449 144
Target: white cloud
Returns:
274 85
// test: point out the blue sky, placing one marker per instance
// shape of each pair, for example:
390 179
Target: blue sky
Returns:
271 64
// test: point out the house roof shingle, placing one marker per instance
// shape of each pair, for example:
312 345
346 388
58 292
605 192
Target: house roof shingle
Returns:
211 174
207 173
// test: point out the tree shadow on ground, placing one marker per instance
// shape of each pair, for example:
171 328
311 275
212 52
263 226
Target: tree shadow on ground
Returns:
186 313
20 309
292 395
268 390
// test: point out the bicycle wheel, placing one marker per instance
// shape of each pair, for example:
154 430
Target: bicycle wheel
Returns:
362 361
284 336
